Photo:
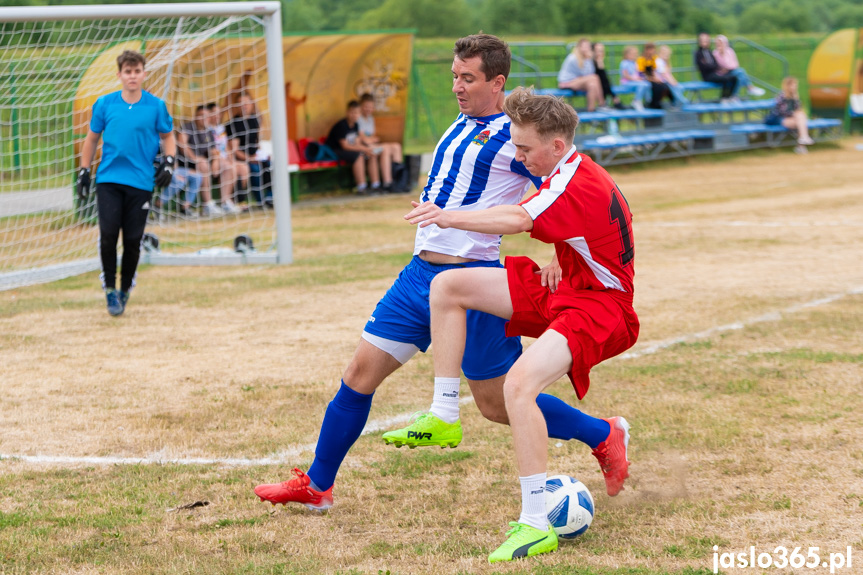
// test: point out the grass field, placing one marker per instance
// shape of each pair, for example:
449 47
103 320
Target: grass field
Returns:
743 393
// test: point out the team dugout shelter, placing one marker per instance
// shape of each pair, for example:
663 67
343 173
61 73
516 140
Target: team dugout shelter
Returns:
322 72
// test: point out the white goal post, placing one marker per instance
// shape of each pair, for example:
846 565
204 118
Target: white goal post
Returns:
56 60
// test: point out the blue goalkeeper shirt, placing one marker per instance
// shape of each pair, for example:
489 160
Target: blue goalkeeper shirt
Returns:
130 138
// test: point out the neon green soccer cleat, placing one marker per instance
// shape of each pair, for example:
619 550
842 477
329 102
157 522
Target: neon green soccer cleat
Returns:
524 541
427 429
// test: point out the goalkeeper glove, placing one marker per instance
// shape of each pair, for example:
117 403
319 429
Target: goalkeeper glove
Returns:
82 185
165 172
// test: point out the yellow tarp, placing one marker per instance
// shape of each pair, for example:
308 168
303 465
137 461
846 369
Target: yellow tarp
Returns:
322 73
836 65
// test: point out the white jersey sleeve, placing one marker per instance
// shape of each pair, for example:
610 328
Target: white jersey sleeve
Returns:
474 168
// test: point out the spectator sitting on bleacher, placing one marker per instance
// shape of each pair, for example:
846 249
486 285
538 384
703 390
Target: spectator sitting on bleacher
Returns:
647 68
706 64
787 111
579 74
392 160
629 75
663 71
726 59
599 65
344 140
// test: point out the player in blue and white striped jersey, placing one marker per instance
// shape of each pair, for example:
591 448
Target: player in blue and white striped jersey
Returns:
474 167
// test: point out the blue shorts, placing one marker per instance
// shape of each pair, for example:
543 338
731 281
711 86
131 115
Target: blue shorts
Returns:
403 315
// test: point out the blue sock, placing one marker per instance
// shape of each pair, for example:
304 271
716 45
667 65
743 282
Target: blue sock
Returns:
343 423
566 422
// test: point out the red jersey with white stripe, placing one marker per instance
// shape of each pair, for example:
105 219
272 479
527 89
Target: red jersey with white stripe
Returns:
582 212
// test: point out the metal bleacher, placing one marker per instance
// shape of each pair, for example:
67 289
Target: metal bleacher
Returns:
705 125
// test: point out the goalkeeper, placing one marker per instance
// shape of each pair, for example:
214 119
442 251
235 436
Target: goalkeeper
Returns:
133 123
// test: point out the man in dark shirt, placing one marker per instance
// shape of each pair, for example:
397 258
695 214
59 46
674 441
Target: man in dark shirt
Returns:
707 66
344 140
244 131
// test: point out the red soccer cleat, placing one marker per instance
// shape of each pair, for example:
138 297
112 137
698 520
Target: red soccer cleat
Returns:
296 489
611 454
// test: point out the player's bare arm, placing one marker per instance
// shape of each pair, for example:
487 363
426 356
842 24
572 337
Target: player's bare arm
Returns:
169 144
89 149
496 220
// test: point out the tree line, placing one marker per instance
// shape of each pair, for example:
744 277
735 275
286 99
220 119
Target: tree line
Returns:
448 18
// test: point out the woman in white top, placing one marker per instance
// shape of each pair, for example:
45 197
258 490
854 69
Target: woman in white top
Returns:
578 74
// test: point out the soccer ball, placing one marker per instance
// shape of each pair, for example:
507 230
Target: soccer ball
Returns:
569 506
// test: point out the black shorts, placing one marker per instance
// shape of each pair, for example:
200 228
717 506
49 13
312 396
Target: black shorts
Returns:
349 156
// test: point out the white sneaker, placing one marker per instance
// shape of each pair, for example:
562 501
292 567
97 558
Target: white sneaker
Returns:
755 90
230 207
805 141
212 211
638 105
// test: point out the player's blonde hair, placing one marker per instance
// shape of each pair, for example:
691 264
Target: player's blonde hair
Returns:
550 116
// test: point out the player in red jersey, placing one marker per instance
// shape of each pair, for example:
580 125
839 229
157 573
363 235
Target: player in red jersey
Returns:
586 318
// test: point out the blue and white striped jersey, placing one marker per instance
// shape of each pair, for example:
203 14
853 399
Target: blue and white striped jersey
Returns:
474 168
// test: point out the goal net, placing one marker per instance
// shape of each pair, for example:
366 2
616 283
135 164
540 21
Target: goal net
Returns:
56 61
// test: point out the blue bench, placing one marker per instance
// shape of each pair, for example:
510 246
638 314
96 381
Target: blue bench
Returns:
824 128
748 105
608 150
620 115
715 110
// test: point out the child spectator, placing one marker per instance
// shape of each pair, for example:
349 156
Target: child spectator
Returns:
231 172
196 146
629 75
788 112
392 161
706 64
663 72
647 68
579 74
599 65
726 59
344 140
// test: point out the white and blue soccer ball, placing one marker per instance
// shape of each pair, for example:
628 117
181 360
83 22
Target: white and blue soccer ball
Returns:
569 506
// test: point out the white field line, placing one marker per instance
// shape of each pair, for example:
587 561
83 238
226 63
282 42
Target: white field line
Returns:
751 224
283 457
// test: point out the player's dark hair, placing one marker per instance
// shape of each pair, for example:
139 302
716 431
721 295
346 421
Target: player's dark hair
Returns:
550 116
366 98
131 58
493 52
353 104
212 106
199 108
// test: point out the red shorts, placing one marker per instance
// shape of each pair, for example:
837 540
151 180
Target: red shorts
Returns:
597 324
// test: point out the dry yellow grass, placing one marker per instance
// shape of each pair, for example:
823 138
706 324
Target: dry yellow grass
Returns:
745 437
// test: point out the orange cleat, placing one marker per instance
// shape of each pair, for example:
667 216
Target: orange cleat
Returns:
296 489
611 454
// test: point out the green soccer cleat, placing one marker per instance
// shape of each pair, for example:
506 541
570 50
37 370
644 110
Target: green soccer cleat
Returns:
427 429
525 541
